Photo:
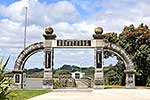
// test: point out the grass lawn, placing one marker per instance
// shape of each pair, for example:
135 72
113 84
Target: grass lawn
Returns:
25 94
113 86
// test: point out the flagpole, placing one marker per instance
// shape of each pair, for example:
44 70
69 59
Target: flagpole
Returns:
25 26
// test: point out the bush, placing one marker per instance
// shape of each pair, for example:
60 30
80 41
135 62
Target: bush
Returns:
4 82
57 85
148 82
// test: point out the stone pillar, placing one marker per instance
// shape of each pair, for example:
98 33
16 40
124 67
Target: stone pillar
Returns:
99 74
48 70
99 43
130 78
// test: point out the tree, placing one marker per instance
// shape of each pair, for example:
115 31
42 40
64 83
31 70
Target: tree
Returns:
136 42
114 75
111 37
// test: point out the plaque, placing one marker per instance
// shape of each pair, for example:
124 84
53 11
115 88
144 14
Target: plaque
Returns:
73 42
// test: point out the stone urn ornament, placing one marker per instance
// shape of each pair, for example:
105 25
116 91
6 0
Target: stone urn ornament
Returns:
49 33
98 33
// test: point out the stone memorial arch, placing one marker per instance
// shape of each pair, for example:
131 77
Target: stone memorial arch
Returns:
51 42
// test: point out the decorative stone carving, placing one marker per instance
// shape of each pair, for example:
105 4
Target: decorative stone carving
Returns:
62 43
47 82
49 30
99 30
98 33
121 53
130 80
49 33
25 54
99 82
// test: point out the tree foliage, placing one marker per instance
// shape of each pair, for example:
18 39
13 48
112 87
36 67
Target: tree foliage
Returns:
114 74
136 42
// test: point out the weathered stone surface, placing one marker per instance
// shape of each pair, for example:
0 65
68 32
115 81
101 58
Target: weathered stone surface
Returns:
99 45
98 33
49 30
25 54
98 36
49 36
99 30
99 82
47 82
49 33
121 53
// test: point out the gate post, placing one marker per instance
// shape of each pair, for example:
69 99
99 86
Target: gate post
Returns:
130 78
99 44
99 73
48 70
18 80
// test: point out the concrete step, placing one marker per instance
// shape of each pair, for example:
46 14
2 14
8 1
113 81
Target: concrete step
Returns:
72 90
80 84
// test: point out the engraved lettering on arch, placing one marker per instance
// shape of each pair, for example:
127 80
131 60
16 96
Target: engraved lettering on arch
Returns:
73 42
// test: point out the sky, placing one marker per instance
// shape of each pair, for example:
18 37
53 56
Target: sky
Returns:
71 19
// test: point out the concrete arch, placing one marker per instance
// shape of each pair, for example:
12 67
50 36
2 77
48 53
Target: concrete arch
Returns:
119 51
48 79
25 54
117 55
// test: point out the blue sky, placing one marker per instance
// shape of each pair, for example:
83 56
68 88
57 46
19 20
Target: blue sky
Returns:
71 19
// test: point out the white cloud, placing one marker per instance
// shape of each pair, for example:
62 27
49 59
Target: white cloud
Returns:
12 28
80 30
79 57
66 19
110 61
10 33
40 13
14 11
115 14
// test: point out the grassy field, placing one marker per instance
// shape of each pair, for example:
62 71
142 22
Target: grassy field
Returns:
25 94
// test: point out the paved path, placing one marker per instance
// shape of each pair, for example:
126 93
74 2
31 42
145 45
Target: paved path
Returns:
103 94
80 84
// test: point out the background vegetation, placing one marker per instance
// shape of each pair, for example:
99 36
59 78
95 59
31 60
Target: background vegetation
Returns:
136 42
4 81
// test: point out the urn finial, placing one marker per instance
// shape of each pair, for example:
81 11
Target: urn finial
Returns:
99 30
49 30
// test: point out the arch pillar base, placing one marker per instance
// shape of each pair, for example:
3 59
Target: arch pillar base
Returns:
99 80
130 78
48 79
18 80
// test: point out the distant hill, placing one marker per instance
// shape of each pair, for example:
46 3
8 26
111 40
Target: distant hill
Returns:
68 69
34 70
64 70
